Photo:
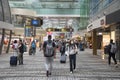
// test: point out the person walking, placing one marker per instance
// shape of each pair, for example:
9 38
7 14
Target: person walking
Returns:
15 47
33 47
72 55
112 52
40 46
49 54
21 51
62 49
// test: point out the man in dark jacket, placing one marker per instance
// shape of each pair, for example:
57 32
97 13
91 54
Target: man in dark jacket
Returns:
21 51
62 49
111 54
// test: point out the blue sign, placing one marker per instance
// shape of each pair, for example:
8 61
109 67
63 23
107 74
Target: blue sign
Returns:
35 23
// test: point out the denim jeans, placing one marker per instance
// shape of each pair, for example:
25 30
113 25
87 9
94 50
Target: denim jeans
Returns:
72 59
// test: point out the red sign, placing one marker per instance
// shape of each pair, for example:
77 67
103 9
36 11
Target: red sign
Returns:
49 33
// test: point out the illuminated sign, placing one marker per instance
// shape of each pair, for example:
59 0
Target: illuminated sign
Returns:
60 30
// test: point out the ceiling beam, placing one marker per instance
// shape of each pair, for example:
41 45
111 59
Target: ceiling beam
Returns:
58 0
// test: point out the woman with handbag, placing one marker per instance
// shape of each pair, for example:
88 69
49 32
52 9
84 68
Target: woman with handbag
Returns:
72 55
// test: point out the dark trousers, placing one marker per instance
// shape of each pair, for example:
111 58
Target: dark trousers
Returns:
34 50
20 58
109 58
72 59
62 53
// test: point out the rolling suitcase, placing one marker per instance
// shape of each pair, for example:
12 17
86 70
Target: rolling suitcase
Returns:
63 58
13 61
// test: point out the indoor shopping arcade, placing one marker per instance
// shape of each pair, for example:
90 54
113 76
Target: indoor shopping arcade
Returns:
85 36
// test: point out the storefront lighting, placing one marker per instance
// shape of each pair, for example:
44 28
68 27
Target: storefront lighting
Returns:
100 33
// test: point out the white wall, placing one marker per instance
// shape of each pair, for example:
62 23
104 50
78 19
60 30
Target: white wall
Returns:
6 25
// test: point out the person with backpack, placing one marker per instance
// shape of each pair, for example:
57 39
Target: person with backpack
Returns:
49 54
62 48
21 51
33 47
62 51
112 52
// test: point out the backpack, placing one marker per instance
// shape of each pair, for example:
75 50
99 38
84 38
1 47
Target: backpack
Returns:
25 48
33 45
49 50
113 48
107 49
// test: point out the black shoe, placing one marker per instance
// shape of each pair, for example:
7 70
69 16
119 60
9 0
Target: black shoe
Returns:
74 69
47 73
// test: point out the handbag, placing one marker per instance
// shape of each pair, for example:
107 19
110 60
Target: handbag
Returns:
67 53
76 50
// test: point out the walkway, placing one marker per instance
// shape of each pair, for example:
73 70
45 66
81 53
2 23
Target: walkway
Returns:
89 67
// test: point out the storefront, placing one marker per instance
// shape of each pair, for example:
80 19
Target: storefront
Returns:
98 35
113 20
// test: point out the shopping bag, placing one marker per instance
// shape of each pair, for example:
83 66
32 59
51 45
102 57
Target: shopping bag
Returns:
67 53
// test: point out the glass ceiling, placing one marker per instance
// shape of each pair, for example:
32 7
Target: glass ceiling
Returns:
56 7
72 7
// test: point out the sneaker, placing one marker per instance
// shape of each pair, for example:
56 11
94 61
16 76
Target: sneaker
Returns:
74 69
116 65
71 72
49 73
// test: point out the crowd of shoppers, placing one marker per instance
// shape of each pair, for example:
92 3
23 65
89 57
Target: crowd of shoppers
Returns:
49 51
50 46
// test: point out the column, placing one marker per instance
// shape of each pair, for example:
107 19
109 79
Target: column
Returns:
117 37
94 42
2 40
8 47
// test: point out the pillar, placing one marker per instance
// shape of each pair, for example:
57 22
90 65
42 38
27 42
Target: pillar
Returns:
10 36
94 42
2 40
117 37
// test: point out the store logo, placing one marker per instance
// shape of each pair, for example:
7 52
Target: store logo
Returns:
90 27
102 22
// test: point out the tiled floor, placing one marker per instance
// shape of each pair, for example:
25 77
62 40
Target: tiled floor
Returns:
89 67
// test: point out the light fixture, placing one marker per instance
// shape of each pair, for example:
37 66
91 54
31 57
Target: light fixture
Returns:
100 33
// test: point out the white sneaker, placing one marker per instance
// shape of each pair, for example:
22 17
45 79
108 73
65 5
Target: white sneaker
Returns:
71 72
